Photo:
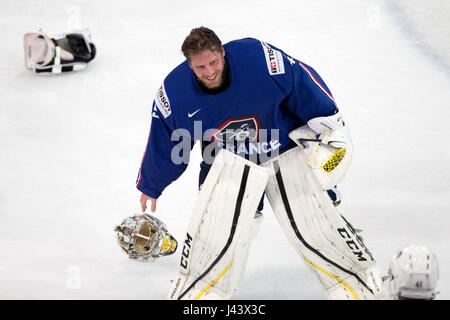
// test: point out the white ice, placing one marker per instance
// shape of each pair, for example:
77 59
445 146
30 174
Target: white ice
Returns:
71 145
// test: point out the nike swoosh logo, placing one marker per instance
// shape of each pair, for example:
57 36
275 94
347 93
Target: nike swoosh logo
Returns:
190 115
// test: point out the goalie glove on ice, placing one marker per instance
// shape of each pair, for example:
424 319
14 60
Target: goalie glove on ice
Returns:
65 52
328 146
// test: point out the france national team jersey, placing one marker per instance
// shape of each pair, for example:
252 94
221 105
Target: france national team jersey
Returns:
269 95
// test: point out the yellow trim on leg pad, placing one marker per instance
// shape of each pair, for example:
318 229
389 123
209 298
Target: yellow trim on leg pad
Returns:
336 278
214 282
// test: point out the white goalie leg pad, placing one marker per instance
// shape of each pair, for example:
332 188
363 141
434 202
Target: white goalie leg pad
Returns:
220 230
318 232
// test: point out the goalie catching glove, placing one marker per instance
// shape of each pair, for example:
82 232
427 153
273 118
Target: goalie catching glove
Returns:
145 237
328 147
61 53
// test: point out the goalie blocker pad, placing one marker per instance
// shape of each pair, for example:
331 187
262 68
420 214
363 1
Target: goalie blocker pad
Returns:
64 52
220 230
318 232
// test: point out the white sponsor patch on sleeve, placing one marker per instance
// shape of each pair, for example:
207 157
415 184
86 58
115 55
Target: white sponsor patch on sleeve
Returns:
162 102
274 59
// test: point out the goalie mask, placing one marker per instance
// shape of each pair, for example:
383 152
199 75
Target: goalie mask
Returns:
61 53
145 237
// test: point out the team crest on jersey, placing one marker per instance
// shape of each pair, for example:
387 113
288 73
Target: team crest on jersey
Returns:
162 102
274 59
237 129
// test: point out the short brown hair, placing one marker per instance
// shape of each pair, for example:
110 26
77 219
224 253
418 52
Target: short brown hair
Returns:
200 39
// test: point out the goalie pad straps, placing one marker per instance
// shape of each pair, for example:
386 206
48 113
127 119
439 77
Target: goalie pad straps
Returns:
220 230
329 245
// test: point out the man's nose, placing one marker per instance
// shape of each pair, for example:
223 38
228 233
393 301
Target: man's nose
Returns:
209 71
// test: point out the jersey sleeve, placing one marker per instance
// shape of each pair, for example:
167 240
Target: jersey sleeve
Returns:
309 96
159 166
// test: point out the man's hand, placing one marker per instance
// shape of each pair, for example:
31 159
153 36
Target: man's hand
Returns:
144 199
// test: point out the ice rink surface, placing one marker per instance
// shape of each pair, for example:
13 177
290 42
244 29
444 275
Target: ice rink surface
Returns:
71 145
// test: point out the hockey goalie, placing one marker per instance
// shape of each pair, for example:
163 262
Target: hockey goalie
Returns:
225 218
255 102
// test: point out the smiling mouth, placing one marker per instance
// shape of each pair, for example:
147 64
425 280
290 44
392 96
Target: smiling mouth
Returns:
213 81
213 77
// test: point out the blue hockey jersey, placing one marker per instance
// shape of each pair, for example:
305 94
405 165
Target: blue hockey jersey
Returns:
269 95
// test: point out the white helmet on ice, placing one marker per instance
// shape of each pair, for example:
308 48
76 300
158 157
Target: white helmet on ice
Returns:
414 272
